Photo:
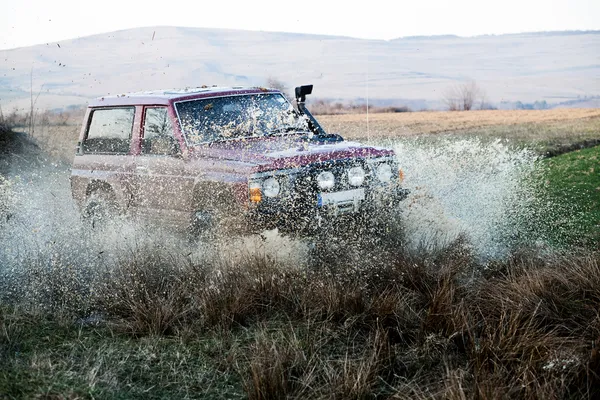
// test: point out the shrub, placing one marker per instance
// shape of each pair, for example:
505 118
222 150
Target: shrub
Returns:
463 96
329 107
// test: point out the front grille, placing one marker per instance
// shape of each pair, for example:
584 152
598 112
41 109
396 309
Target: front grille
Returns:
297 208
299 189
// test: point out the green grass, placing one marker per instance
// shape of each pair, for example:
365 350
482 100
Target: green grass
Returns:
44 359
572 184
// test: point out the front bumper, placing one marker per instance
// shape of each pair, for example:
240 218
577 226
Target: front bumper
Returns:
303 214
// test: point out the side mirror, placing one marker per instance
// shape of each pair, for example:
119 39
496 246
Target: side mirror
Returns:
302 92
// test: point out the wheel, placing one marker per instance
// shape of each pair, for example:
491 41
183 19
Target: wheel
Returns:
100 208
203 226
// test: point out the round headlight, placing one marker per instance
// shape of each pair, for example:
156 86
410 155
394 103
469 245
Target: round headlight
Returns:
356 176
271 187
326 180
384 172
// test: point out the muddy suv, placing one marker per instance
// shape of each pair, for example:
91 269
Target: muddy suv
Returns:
240 158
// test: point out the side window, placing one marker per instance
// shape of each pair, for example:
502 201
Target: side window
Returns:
158 133
109 131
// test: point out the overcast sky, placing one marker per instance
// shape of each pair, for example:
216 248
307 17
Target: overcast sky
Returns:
29 22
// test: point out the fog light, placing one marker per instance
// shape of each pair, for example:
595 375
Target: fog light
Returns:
384 173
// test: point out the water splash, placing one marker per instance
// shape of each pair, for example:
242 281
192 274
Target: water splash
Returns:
45 230
466 187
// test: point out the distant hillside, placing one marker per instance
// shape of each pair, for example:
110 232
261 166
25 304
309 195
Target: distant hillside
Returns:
556 67
523 34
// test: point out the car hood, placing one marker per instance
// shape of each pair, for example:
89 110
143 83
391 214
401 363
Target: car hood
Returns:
287 152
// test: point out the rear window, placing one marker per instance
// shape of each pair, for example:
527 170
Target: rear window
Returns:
110 130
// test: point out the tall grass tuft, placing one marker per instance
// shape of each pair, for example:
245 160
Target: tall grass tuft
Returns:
435 325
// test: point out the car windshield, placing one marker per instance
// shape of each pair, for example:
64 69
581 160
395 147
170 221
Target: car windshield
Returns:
231 117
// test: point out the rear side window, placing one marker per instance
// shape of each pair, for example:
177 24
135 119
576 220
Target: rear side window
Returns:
110 131
158 133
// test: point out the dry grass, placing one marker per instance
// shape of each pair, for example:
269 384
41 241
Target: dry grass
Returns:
545 129
58 141
418 123
564 125
55 133
402 327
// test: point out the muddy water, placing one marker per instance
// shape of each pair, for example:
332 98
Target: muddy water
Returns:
459 187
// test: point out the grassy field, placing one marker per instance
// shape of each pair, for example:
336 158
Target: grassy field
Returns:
542 130
401 328
59 141
367 320
572 183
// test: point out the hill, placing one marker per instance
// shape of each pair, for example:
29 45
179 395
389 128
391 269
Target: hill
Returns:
555 66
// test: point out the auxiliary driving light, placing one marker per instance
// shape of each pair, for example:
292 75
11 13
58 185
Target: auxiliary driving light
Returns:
384 172
356 176
326 180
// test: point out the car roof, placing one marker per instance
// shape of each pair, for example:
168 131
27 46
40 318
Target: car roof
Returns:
167 96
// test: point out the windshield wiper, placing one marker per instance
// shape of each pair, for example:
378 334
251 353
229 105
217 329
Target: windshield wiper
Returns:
285 129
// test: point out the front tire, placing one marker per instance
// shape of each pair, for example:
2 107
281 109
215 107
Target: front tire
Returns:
203 226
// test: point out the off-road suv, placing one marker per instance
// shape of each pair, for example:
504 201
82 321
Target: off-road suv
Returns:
240 158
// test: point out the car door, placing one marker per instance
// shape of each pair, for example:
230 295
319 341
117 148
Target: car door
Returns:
162 185
105 161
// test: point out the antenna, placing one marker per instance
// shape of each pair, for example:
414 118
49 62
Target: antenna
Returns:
367 88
